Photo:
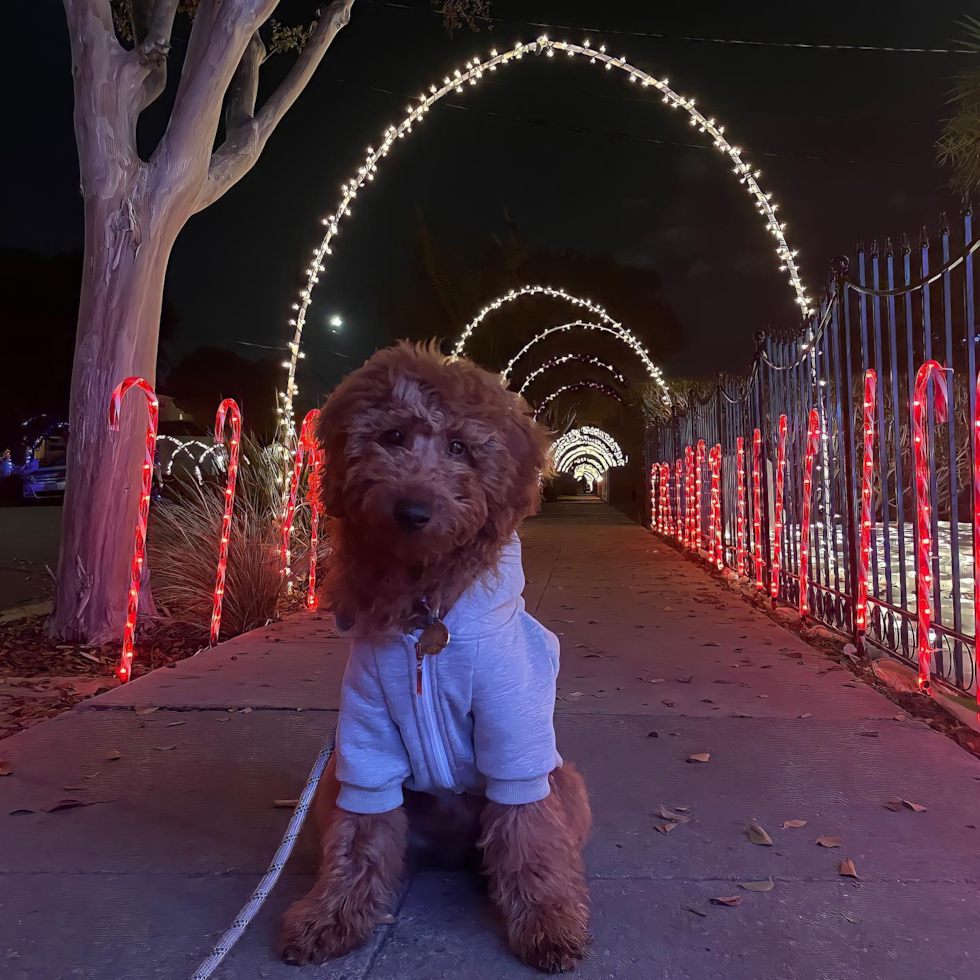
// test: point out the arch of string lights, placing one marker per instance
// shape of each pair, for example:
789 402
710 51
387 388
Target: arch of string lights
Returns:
475 70
588 438
577 386
608 323
560 359
587 472
620 333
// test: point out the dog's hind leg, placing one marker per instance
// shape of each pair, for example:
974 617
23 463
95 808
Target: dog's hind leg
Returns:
362 857
532 854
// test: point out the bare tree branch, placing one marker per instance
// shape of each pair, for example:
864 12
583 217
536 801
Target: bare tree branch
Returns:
221 32
152 25
244 144
244 87
87 18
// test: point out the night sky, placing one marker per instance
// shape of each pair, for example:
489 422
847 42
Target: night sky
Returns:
581 158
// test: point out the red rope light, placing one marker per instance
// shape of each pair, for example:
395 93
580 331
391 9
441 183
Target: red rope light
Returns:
680 522
313 497
923 509
689 497
667 525
654 515
780 486
303 445
812 445
125 668
976 539
698 512
867 512
716 550
228 407
740 527
757 506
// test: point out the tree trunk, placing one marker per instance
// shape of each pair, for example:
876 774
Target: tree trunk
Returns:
127 247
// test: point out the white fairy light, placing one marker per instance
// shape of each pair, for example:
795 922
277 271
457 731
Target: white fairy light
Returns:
611 325
746 176
577 386
617 331
560 359
588 439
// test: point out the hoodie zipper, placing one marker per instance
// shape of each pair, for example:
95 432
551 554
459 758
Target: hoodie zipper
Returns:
429 729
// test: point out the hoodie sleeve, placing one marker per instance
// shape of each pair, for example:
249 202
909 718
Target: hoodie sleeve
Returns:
513 710
372 762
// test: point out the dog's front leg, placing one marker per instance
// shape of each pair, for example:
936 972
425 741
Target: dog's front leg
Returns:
532 854
362 857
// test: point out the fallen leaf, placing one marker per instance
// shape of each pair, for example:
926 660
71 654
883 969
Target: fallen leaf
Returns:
94 774
758 886
657 680
706 701
685 680
224 718
675 817
793 824
246 711
653 734
711 643
20 811
665 828
75 789
147 711
850 918
165 748
289 803
829 841
5 769
174 724
669 704
699 757
113 754
900 717
731 901
696 911
64 805
806 714
847 869
89 656
868 734
758 835
895 804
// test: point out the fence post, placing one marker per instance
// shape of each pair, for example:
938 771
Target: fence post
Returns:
839 268
760 340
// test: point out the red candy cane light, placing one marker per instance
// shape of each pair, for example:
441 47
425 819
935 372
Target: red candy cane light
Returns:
923 511
716 549
313 497
228 408
780 486
654 516
306 445
689 497
812 445
125 668
699 480
757 506
667 520
867 513
740 527
679 521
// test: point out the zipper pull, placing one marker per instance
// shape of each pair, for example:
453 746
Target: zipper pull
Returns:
419 656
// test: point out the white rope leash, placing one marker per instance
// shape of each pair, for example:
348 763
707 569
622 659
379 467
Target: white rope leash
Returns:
268 882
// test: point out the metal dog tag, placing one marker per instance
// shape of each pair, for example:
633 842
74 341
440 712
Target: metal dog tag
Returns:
434 639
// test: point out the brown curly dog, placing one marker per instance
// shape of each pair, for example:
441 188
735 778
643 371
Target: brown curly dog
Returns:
430 467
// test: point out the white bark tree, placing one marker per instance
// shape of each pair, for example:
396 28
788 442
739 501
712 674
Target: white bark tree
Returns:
134 210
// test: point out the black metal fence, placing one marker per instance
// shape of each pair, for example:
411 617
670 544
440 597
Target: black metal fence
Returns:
890 311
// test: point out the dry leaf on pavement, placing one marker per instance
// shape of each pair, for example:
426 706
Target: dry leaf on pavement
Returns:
787 824
759 886
696 911
5 769
112 755
731 901
673 817
165 748
699 757
895 804
847 869
64 805
757 835
290 803
829 841
666 828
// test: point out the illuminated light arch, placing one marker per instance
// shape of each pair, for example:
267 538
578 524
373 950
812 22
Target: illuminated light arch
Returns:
560 359
608 323
475 70
578 386
585 456
588 437
587 472
574 453
620 333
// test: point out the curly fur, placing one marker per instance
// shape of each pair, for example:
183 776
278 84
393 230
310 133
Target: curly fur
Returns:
377 572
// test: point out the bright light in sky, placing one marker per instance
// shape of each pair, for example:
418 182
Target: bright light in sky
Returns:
335 321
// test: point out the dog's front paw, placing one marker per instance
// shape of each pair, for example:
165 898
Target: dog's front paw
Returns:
552 942
313 933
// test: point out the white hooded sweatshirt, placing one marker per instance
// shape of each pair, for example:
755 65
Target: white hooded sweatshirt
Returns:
484 722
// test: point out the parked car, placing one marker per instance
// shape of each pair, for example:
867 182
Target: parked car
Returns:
43 476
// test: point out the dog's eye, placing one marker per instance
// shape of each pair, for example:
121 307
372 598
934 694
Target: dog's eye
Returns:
393 437
457 448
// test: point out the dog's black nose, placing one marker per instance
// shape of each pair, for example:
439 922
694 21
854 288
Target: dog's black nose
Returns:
412 515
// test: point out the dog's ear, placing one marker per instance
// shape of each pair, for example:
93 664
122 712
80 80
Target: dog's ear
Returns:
332 437
527 445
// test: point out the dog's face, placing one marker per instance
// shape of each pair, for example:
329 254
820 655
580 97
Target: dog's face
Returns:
425 455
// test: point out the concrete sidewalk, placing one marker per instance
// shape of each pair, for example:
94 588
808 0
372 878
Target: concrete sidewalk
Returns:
660 662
